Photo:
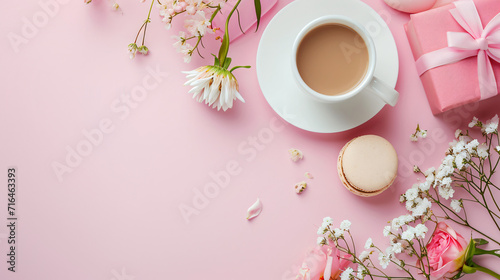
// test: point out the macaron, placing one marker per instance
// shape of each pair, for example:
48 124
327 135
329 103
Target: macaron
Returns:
367 165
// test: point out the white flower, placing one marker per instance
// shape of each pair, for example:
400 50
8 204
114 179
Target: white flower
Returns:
423 133
471 146
197 24
322 230
420 230
446 192
295 154
408 234
132 50
396 248
446 182
416 169
369 243
491 126
346 275
327 221
320 240
413 138
411 194
300 187
421 208
345 225
456 205
482 151
308 175
387 230
364 255
497 148
458 147
338 233
425 185
474 122
458 133
214 85
383 260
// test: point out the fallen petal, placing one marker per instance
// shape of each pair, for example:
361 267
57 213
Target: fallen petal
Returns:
309 175
254 210
295 154
300 187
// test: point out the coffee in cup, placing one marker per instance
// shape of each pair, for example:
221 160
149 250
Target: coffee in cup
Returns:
333 59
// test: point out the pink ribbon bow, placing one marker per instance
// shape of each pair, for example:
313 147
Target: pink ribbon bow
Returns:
476 41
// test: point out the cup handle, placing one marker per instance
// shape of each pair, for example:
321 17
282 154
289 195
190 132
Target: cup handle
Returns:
385 92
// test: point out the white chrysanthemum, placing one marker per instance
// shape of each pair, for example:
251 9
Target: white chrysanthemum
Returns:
387 230
473 122
421 230
345 225
216 86
346 275
383 260
491 126
295 154
369 243
456 205
364 255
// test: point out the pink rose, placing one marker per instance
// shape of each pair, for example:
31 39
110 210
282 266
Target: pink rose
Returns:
446 252
323 262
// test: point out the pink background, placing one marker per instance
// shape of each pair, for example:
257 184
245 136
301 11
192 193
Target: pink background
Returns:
117 212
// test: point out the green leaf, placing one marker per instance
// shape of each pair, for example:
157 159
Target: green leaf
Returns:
227 63
480 241
468 269
258 12
237 67
217 61
470 251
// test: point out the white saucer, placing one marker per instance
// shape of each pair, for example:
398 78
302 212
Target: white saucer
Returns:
275 75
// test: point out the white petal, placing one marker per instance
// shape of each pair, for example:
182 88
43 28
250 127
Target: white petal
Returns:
238 95
254 210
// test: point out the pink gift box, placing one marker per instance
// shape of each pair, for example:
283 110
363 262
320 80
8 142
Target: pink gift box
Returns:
453 85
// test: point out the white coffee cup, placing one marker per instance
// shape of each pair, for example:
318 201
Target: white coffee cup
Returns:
369 81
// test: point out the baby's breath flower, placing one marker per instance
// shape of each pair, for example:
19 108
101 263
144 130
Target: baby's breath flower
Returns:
383 260
143 50
364 255
369 243
497 148
132 50
416 169
396 248
420 230
458 133
345 225
491 126
327 221
295 154
456 205
411 194
446 192
321 241
482 151
346 275
387 230
338 233
408 234
474 122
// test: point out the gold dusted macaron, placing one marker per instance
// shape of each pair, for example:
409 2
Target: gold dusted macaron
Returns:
367 165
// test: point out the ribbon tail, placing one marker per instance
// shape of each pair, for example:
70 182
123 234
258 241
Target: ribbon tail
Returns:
328 269
486 76
441 57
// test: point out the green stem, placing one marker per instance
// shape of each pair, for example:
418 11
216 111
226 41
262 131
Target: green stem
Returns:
486 252
225 44
487 271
